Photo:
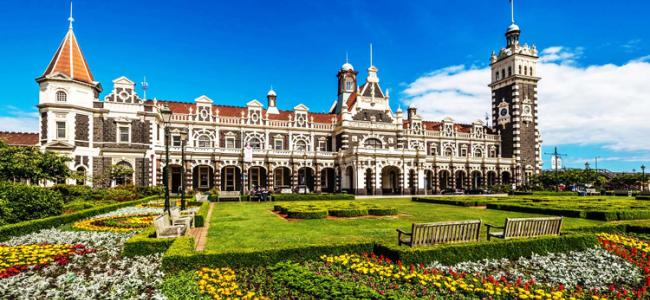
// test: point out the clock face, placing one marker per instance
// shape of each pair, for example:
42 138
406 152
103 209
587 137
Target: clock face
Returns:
503 112
526 109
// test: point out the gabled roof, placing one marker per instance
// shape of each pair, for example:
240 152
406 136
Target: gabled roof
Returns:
70 61
19 138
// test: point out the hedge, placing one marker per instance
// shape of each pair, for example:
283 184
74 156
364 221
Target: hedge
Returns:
307 213
201 214
642 197
511 249
602 215
28 202
479 201
146 243
382 211
306 197
8 231
182 256
348 212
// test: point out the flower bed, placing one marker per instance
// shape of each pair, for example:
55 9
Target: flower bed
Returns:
15 259
221 283
101 274
119 223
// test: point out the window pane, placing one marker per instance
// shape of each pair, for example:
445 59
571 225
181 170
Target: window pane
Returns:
60 130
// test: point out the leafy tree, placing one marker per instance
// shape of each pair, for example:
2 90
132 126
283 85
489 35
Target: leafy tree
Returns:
29 163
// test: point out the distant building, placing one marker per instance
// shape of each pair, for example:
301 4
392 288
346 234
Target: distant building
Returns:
360 146
19 138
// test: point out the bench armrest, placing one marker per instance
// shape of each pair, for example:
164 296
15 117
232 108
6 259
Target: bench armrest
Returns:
493 226
403 232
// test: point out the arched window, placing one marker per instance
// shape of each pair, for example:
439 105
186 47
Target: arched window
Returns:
81 176
61 96
255 143
496 75
509 71
349 84
525 70
519 70
300 146
203 141
449 152
123 173
531 71
372 143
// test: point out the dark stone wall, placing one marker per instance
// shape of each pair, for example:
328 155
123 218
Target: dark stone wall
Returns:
507 142
101 167
527 130
82 128
43 127
141 171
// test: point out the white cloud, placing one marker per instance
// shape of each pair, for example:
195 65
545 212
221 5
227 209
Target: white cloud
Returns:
18 120
593 105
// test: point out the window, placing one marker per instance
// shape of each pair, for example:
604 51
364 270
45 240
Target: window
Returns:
176 140
322 145
61 96
278 144
255 143
348 84
434 151
204 174
204 141
300 146
493 152
531 71
503 73
124 134
463 152
478 153
60 130
496 75
230 142
372 143
81 176
525 70
519 70
449 152
509 71
229 178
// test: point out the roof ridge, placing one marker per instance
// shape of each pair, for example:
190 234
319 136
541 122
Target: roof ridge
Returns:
18 132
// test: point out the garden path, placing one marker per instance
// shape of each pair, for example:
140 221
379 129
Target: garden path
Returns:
201 234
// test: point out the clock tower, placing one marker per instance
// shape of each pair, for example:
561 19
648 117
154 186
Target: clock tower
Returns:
514 104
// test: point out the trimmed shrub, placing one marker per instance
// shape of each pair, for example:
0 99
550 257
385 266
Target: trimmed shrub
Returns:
382 211
307 213
7 231
146 191
120 194
182 256
511 249
5 212
572 213
146 243
347 212
73 192
643 197
201 214
308 197
28 202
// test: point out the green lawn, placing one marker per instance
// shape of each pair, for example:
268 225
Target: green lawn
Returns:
253 226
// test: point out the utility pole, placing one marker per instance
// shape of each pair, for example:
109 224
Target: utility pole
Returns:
555 163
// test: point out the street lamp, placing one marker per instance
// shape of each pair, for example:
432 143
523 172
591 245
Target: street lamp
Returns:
166 114
183 135
643 178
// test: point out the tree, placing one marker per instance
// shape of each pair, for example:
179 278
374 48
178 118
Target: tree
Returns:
29 163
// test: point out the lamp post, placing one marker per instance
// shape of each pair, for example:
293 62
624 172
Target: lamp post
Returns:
166 114
183 135
642 178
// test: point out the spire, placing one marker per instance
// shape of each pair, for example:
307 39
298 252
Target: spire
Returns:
512 33
512 11
145 87
372 70
371 65
68 58
70 19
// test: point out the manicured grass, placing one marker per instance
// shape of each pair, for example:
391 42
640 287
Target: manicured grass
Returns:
253 226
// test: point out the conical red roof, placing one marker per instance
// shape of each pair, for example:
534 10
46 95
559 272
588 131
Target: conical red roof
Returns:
69 60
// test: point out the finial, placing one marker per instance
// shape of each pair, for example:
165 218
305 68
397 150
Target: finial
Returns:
71 19
371 55
346 58
512 11
145 86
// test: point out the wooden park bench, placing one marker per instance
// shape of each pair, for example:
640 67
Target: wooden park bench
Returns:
526 227
423 234
229 195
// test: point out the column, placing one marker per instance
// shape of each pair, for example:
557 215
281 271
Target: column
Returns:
400 182
270 180
244 178
294 177
217 175
317 187
337 180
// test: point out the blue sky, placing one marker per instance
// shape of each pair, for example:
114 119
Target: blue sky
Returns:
233 51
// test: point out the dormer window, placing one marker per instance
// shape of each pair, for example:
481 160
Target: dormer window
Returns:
349 85
61 96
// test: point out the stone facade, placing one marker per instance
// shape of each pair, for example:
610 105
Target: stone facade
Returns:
361 145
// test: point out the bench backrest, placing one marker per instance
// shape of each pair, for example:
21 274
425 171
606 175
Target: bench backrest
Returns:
445 232
229 194
529 227
161 222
